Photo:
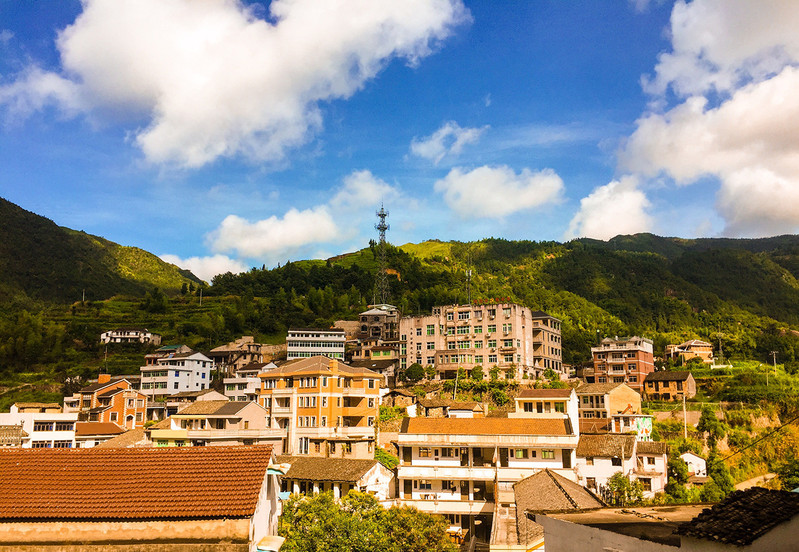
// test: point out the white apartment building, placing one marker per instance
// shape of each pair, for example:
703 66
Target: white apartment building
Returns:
42 429
506 335
130 335
463 468
245 384
176 372
309 342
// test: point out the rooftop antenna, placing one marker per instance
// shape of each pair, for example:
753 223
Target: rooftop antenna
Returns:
381 282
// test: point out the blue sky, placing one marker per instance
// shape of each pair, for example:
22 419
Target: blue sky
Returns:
223 135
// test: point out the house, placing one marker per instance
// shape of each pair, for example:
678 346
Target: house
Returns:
694 348
177 499
546 401
399 398
324 407
754 520
377 336
111 400
245 384
28 407
32 428
308 342
91 434
138 437
600 402
310 475
545 491
697 468
462 468
442 408
599 457
171 404
210 423
130 335
237 354
511 337
626 360
669 385
164 374
386 367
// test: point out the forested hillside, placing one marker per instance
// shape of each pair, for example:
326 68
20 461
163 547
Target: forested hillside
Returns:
41 260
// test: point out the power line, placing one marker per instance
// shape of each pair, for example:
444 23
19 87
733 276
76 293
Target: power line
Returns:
756 441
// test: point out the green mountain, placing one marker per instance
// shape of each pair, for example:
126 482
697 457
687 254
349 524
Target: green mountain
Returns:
44 261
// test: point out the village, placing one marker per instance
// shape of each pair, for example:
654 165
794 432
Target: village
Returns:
335 410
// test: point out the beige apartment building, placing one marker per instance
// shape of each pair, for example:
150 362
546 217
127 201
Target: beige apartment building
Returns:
506 335
325 407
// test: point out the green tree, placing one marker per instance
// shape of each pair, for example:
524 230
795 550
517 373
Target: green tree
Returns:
788 470
477 373
720 473
413 373
623 490
711 426
678 477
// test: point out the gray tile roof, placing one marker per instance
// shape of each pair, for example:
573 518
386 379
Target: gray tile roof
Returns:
326 469
605 446
668 375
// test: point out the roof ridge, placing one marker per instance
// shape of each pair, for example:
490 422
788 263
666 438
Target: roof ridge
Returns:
566 494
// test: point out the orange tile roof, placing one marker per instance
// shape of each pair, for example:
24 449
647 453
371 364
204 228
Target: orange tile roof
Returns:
544 393
132 483
486 426
83 429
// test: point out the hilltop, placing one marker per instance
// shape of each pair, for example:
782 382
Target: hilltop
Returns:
44 261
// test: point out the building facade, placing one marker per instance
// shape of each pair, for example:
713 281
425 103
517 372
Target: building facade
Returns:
175 372
600 403
669 385
237 354
506 335
130 335
111 400
463 468
694 348
245 384
48 429
626 360
325 407
309 342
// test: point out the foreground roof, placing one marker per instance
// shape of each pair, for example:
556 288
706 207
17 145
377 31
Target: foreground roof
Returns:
326 469
486 426
131 483
549 491
743 517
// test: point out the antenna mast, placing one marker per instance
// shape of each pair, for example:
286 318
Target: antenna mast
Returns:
381 282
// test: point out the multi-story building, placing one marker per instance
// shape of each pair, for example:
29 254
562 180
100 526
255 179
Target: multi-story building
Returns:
325 407
111 400
40 427
599 457
243 351
309 342
627 360
175 372
670 385
130 335
209 423
694 348
599 403
506 335
463 468
245 384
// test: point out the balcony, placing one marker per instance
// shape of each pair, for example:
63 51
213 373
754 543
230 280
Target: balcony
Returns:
485 473
507 349
450 506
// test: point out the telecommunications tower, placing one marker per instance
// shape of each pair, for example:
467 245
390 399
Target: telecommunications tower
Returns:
381 282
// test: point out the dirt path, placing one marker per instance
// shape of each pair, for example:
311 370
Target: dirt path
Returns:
755 481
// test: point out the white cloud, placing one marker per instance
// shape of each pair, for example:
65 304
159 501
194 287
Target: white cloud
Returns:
207 267
615 208
214 80
719 45
35 89
494 192
272 237
363 189
5 36
447 140
750 143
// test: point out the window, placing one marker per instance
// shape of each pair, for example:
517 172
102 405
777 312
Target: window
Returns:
492 343
64 426
528 406
303 445
347 448
425 485
492 359
450 316
478 359
507 343
370 421
615 461
506 312
424 452
589 461
491 328
508 358
43 426
114 416
463 330
520 453
478 329
431 329
507 328
41 444
548 454
464 344
371 383
418 331
371 403
560 407
650 460
324 384
324 402
175 385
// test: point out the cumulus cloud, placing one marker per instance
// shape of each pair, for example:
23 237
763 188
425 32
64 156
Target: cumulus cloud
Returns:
363 189
447 140
718 45
207 267
733 72
274 236
35 89
494 192
615 208
214 80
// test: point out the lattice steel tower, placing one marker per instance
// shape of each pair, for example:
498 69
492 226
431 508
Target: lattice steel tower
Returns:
381 282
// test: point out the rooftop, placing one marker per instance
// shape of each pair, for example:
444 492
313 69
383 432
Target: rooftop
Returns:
85 429
325 469
608 445
486 426
652 447
743 516
130 438
596 388
131 483
214 408
317 365
668 375
545 393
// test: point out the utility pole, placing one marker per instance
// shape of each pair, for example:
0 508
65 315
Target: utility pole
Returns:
684 420
774 360
381 282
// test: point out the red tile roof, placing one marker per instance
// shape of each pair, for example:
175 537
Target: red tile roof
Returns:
132 483
486 426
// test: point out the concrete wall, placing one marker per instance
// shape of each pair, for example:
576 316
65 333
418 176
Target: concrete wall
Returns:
161 532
